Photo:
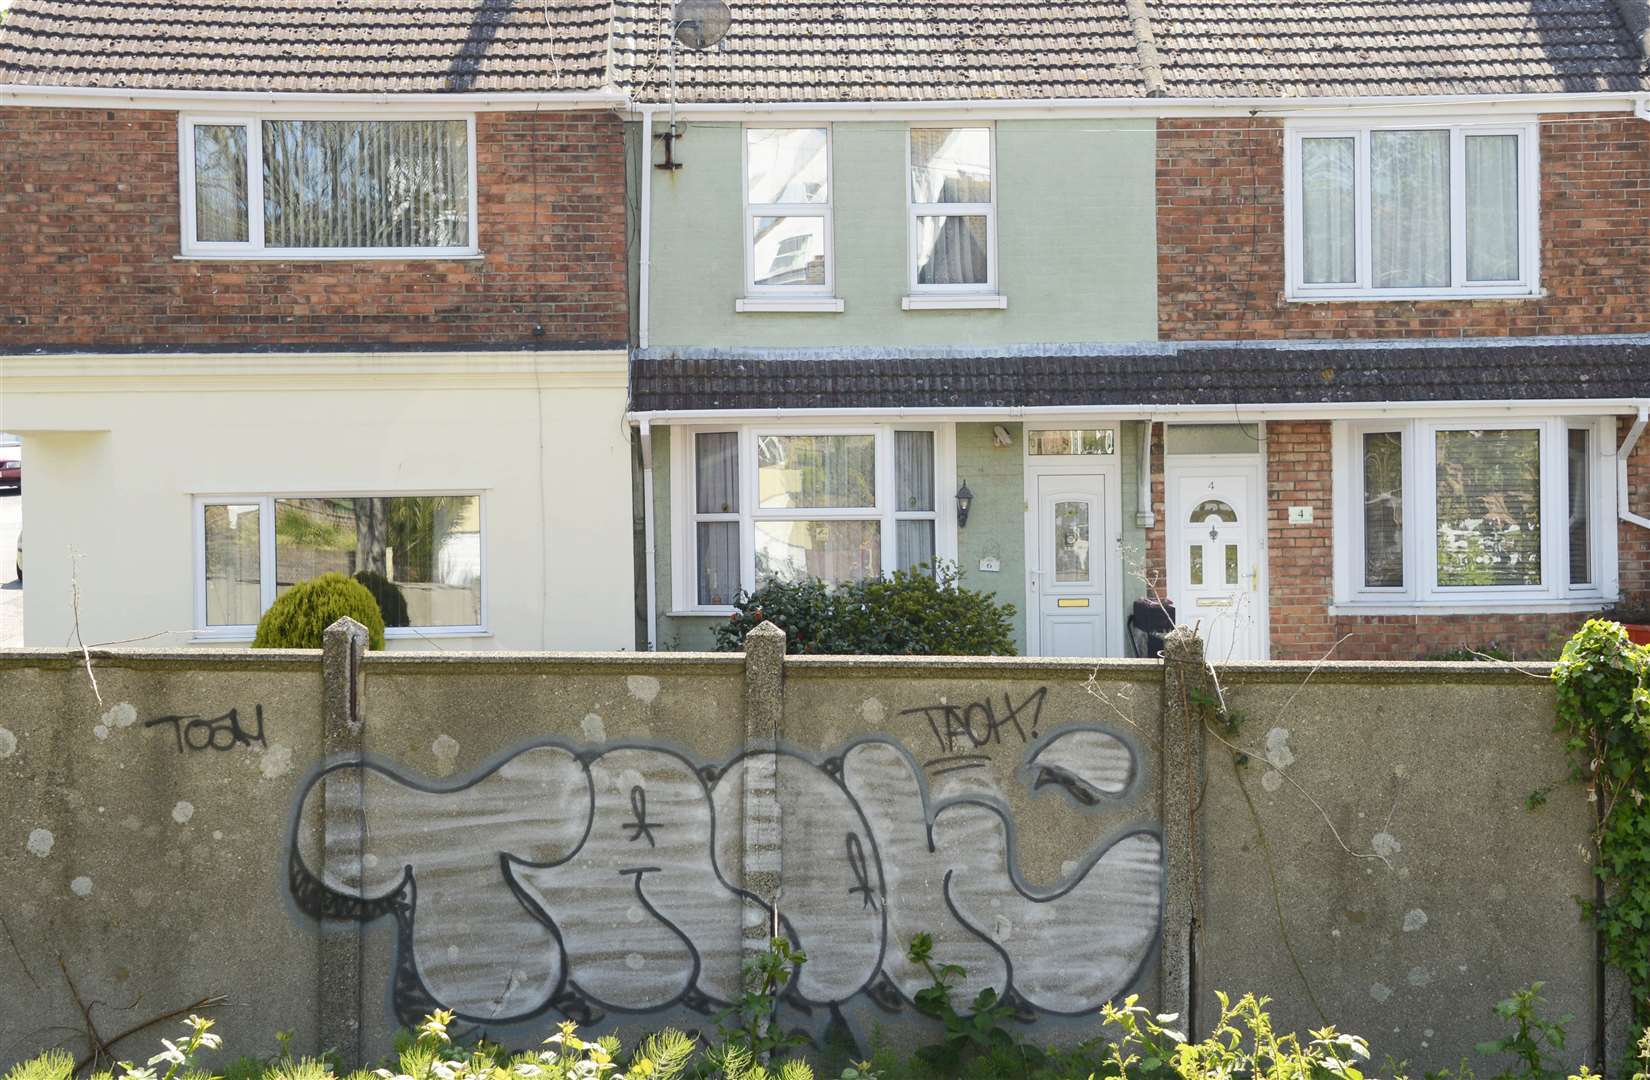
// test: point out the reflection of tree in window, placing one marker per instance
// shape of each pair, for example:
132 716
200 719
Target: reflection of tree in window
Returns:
1071 541
1489 507
1383 510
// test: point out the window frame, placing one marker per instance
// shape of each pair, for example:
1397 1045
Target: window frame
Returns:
266 560
1528 284
254 247
1421 590
914 211
686 518
823 210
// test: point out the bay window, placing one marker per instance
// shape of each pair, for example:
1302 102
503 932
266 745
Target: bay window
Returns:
1410 209
1472 510
419 555
327 188
781 505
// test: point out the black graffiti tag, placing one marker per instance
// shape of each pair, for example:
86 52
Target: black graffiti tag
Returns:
978 724
221 733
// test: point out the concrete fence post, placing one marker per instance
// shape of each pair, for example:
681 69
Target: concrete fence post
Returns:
1186 681
338 998
762 861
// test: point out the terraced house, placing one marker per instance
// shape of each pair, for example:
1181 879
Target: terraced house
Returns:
1326 326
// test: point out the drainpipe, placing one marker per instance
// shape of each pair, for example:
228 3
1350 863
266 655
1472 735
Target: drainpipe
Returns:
649 571
1623 503
1143 515
645 257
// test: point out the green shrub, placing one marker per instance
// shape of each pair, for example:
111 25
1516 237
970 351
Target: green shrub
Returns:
300 615
1483 654
392 602
910 613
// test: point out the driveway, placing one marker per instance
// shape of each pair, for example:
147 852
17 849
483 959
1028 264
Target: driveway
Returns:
11 590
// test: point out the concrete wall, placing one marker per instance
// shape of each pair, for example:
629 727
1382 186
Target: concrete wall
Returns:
119 447
523 837
1055 179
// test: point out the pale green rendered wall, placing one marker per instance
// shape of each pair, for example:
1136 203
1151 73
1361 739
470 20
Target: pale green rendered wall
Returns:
1212 439
1076 231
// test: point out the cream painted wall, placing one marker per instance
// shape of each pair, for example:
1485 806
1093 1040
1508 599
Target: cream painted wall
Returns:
115 461
1076 227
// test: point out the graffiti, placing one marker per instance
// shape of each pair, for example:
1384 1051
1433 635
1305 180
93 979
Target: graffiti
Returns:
606 880
194 732
977 724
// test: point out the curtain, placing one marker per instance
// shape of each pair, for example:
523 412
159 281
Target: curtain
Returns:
716 491
220 183
950 165
914 470
1489 507
953 250
915 543
1409 208
1328 210
1581 546
1383 510
833 551
366 183
1492 207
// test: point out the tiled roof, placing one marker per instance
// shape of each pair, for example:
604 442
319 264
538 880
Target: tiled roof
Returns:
897 50
1238 375
837 50
347 46
1338 48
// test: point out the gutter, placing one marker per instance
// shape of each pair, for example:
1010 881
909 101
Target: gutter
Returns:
650 572
1623 500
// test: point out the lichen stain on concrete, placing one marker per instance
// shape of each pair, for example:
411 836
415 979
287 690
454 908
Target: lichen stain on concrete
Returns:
1271 780
445 749
101 731
275 762
183 811
593 727
121 715
873 711
1414 919
644 688
1380 992
1385 844
8 743
1419 976
40 842
1278 753
81 886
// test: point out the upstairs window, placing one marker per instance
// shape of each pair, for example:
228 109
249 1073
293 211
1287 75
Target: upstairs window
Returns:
1411 211
953 211
327 188
788 211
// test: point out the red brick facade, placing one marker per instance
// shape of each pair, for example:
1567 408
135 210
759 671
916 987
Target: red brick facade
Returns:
1220 236
89 223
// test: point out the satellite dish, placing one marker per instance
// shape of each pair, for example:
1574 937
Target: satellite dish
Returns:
700 23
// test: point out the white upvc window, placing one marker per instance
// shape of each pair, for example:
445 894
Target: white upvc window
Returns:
326 187
1474 511
767 503
420 555
951 195
1411 209
788 247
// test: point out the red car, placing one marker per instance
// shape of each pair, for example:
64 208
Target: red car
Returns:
11 468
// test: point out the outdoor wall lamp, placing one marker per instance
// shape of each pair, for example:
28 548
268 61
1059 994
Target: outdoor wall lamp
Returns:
965 499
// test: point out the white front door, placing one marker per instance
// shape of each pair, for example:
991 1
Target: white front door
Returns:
1068 575
1215 557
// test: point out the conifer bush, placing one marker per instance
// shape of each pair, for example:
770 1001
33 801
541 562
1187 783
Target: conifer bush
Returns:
299 616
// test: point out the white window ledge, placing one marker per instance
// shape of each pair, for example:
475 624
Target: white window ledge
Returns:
826 304
702 613
954 303
1341 296
1472 607
310 256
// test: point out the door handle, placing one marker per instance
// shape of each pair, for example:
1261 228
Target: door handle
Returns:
1254 579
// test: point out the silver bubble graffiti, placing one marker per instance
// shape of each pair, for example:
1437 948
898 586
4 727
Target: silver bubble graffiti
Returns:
582 882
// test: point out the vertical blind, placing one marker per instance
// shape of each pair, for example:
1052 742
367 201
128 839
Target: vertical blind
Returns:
1580 491
1489 507
220 184
366 183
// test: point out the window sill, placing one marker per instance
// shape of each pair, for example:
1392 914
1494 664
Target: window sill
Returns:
353 256
1471 607
754 304
1342 296
995 301
701 613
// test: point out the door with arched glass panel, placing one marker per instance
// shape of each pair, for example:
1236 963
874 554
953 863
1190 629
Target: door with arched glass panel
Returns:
1215 558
